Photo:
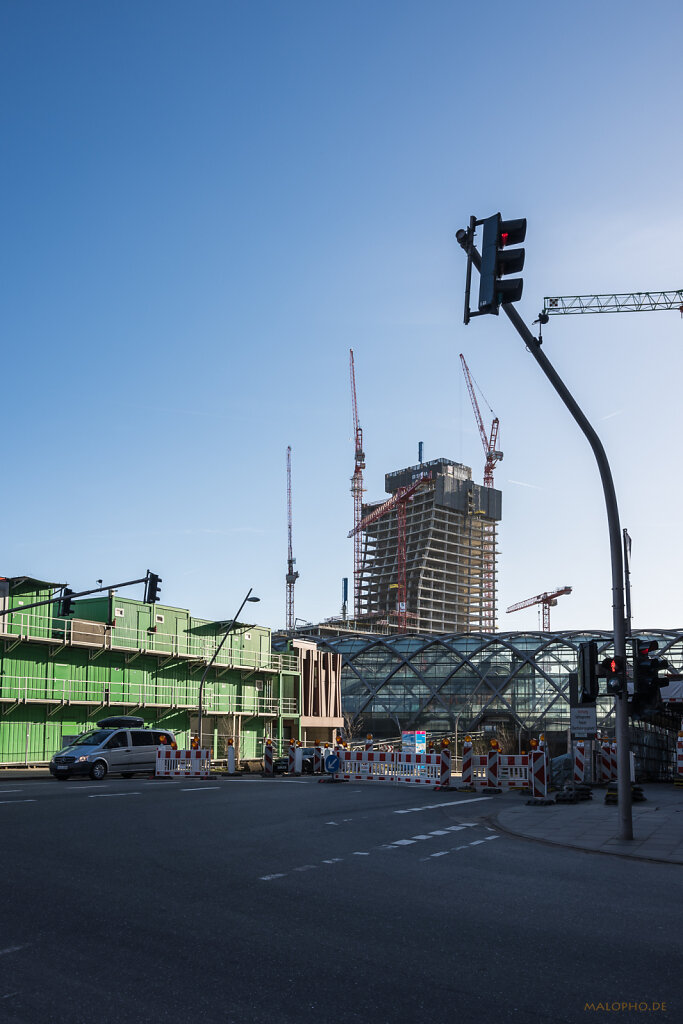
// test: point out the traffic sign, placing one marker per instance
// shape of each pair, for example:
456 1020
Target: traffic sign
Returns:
584 722
331 763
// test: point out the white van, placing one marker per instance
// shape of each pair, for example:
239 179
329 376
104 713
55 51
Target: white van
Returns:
120 746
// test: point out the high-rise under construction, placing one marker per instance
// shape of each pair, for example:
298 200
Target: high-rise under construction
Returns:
445 552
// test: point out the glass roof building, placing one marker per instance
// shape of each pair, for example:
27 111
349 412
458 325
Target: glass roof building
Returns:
467 681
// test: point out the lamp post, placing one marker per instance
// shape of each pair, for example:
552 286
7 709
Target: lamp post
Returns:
213 658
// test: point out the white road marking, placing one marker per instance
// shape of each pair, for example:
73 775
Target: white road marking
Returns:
441 853
422 837
450 803
267 878
334 860
306 867
10 791
357 853
17 801
331 822
12 949
94 796
477 842
198 789
403 842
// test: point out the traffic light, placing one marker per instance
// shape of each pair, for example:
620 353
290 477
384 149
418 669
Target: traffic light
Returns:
65 603
497 260
646 680
589 684
614 671
152 588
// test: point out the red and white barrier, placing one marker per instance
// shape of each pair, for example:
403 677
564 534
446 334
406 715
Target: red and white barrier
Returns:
467 763
539 777
492 769
188 763
291 758
445 768
579 763
679 754
605 761
268 758
387 766
231 758
513 771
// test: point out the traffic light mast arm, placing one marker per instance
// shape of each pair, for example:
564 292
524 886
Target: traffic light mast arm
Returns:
630 302
73 594
534 346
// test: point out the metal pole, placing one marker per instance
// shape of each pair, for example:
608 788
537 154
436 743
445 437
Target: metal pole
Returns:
621 710
208 667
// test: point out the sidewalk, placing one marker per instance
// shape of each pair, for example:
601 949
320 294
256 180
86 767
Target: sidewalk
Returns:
594 825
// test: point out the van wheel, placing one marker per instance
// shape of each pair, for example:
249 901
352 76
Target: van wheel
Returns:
98 771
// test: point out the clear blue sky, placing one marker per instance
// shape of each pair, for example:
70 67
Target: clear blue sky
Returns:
204 205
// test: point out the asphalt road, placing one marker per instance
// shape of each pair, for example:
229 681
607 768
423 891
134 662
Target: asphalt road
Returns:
293 901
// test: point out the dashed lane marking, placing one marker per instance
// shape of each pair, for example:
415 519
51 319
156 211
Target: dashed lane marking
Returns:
10 791
198 789
97 796
269 878
17 801
450 803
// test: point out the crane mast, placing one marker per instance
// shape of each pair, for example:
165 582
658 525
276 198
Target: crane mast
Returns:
547 599
493 455
292 575
356 491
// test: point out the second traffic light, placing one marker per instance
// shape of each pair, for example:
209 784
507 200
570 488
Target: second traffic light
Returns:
614 671
646 681
497 260
589 683
152 588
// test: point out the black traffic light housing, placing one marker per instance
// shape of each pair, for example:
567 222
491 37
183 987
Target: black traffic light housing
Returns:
646 682
589 683
152 588
497 260
613 670
65 603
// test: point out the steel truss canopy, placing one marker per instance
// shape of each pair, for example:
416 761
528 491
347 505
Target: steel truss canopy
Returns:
629 302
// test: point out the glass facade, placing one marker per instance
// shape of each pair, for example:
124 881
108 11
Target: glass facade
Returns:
466 681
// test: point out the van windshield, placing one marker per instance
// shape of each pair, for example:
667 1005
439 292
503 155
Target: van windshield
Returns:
92 739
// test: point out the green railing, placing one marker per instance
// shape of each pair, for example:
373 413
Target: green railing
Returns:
152 694
82 633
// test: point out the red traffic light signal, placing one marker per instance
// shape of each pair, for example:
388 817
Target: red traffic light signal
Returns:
497 260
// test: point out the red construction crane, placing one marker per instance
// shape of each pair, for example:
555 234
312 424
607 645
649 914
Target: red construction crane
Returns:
292 575
489 441
548 600
357 492
397 501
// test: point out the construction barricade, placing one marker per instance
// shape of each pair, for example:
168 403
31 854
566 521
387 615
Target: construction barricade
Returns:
388 766
194 764
579 763
268 759
679 755
231 758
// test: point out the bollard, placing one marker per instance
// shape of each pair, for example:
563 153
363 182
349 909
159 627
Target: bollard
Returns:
368 741
445 774
298 758
231 758
579 763
268 759
467 761
492 766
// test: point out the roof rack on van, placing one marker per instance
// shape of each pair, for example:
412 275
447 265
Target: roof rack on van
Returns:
124 722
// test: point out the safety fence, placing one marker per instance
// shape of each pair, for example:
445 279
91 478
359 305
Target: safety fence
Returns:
497 771
188 763
385 766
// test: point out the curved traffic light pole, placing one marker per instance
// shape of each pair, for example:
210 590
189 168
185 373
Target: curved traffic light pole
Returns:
621 698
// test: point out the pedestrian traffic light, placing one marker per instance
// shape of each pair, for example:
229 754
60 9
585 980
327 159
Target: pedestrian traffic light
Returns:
614 671
152 588
497 260
589 684
646 682
65 603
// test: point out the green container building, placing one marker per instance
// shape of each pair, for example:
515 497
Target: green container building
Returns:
115 655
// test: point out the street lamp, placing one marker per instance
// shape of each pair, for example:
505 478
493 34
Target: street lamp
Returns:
213 658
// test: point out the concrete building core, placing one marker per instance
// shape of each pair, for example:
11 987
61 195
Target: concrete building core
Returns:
451 575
